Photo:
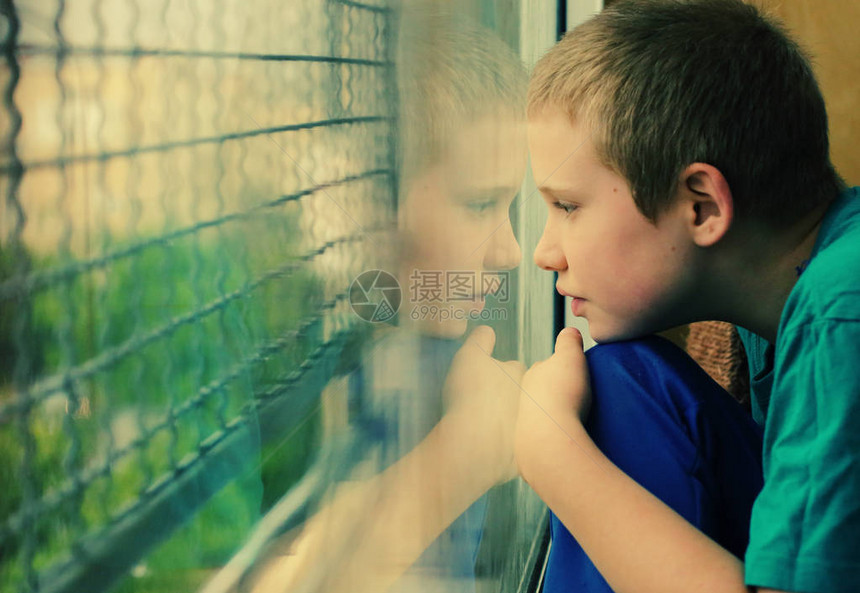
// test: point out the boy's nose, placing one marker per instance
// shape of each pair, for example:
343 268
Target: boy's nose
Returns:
547 254
503 251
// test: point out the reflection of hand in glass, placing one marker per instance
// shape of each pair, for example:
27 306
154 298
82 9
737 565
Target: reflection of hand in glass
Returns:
483 396
401 511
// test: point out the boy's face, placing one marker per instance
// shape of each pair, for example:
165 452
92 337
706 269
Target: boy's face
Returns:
455 220
627 275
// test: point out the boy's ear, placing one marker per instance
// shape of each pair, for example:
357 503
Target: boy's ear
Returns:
707 201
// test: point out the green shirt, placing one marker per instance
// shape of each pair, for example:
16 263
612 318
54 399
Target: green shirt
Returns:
805 527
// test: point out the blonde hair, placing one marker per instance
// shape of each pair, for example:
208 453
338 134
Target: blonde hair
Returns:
450 72
662 84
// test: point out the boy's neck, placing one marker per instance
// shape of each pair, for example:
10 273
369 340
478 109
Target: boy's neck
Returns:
766 268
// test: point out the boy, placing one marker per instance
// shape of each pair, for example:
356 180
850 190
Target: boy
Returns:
682 149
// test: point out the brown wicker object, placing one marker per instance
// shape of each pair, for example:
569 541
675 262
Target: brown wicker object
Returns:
716 346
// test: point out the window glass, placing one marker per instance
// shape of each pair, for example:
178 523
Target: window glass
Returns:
242 244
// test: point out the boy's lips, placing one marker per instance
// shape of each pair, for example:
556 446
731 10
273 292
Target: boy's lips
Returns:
563 292
576 303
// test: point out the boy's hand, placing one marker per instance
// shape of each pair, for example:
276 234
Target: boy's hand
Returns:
556 393
482 396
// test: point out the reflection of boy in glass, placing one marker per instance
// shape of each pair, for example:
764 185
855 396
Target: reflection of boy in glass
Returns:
436 449
462 163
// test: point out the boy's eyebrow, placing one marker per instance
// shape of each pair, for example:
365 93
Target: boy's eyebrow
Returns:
555 190
492 192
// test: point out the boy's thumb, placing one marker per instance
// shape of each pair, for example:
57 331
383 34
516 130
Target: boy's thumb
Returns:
482 337
569 340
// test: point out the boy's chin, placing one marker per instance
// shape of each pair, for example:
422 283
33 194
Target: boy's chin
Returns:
446 329
605 334
449 328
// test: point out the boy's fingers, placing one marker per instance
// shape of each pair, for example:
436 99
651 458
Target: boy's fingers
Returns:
569 340
514 369
482 337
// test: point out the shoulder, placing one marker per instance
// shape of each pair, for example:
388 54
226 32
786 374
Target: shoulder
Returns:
382 375
400 363
652 367
829 288
818 342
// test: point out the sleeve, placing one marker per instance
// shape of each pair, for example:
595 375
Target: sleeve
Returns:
805 528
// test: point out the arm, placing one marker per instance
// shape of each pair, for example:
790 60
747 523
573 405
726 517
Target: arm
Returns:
397 514
636 541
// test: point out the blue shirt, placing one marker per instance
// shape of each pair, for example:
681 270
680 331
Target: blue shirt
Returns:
396 400
665 423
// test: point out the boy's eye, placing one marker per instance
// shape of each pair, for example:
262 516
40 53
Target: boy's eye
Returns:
482 206
564 207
